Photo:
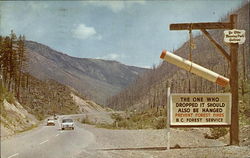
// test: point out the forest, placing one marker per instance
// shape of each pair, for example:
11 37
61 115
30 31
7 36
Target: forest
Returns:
13 60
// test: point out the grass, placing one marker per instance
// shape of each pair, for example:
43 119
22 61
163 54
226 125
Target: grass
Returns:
217 132
4 94
3 111
140 121
86 120
105 125
150 119
244 102
27 129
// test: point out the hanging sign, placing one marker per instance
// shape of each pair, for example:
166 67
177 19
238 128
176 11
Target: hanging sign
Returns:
194 68
200 109
234 36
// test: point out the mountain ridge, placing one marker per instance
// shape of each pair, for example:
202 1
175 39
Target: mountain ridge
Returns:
95 78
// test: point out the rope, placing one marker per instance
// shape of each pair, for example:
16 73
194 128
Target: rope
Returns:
190 45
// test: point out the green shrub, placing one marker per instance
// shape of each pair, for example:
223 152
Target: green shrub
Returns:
4 94
136 118
217 132
160 123
86 120
124 124
148 119
105 125
117 117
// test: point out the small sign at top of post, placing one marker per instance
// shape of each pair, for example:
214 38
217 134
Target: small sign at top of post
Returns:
234 36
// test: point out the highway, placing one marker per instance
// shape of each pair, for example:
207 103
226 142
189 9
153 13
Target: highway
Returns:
48 142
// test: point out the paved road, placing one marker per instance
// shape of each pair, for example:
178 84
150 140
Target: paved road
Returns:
48 142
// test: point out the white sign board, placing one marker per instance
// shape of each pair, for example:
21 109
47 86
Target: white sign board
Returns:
196 109
234 36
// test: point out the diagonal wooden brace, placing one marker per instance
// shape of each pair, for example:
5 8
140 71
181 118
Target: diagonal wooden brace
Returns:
216 45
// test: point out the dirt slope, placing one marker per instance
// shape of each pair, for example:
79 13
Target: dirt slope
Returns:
14 119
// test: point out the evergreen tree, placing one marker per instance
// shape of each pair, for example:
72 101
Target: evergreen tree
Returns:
12 61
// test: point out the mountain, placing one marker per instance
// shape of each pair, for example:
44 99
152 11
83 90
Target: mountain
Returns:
95 78
149 90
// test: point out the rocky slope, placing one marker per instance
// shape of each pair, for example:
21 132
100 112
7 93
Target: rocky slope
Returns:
95 78
14 118
86 106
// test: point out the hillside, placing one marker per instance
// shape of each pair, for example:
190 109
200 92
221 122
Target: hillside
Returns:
14 118
95 78
38 100
44 98
149 90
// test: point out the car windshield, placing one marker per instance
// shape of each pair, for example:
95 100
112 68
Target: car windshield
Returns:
67 120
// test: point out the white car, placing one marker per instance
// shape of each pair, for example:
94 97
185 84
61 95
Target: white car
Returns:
51 122
67 123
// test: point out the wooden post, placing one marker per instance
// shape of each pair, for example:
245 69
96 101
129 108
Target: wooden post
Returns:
232 58
234 131
1 81
168 117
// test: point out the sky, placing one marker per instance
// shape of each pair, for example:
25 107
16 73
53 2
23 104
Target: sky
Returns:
131 32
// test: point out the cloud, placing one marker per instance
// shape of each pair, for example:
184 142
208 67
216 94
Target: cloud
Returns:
84 32
112 56
37 5
147 67
115 6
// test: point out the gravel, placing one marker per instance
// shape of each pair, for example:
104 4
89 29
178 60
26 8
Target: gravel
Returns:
152 144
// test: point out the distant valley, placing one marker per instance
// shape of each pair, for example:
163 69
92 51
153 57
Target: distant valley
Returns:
95 78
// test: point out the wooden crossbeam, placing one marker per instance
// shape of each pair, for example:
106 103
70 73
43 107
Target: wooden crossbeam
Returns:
199 26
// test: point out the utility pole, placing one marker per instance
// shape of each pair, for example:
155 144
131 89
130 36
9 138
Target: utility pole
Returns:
232 59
